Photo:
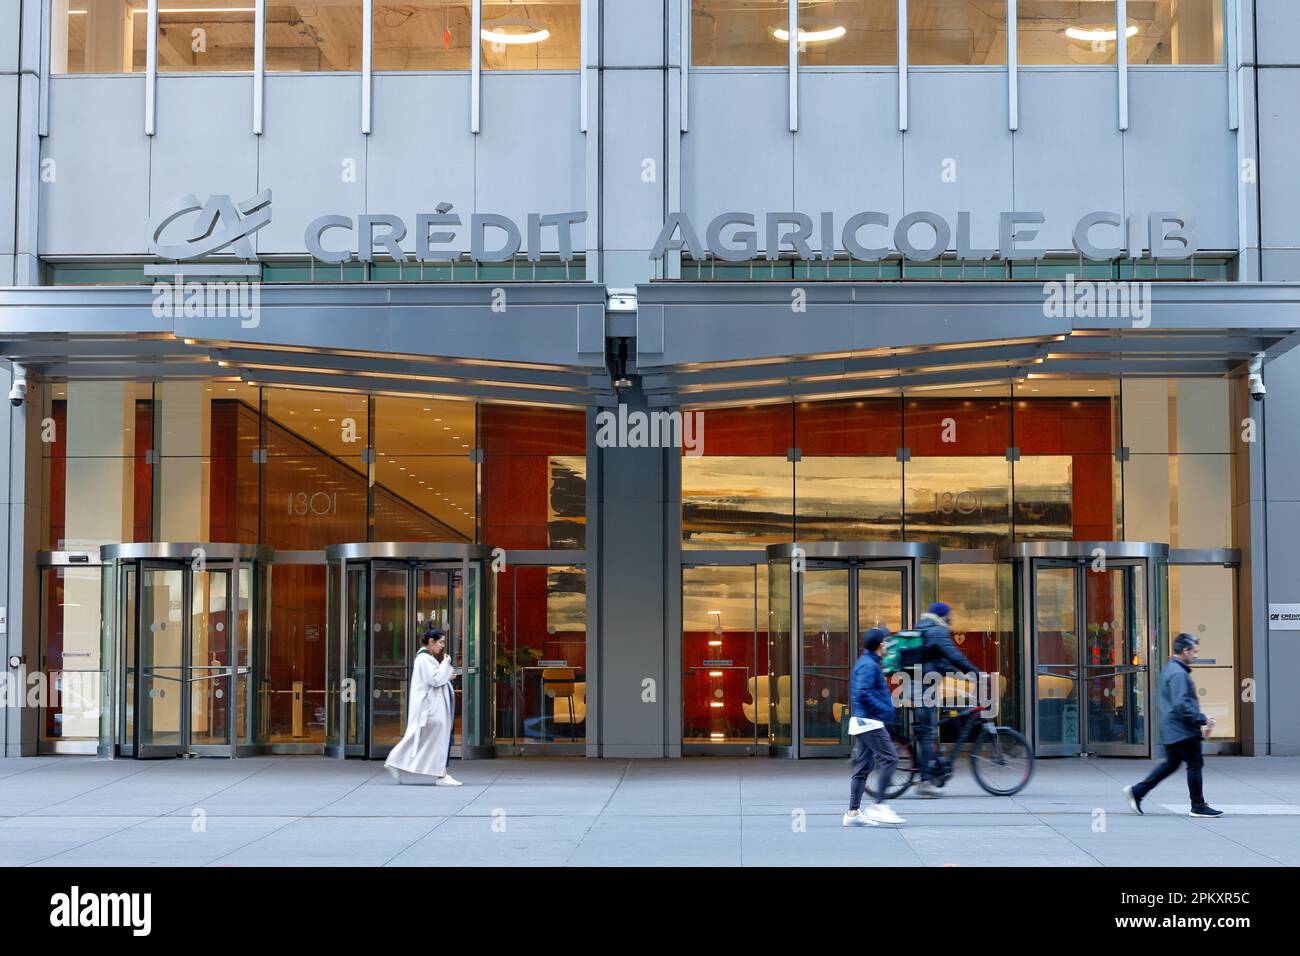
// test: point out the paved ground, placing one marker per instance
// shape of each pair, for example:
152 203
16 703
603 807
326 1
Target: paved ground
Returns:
73 811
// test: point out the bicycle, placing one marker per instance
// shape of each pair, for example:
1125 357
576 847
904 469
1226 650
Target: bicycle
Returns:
1001 758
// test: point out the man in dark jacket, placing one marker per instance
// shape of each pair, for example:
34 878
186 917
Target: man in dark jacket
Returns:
940 657
1181 723
873 712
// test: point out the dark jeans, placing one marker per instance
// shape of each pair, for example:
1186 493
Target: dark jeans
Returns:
1184 751
925 718
870 748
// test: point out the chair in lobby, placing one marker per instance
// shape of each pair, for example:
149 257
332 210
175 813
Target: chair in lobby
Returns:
568 697
757 712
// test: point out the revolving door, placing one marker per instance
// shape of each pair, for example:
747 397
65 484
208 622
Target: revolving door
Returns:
1093 617
184 631
381 598
821 597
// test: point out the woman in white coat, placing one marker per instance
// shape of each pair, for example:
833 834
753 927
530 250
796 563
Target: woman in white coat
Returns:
421 755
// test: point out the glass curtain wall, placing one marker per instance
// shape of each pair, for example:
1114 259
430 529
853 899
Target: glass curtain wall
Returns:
978 466
178 460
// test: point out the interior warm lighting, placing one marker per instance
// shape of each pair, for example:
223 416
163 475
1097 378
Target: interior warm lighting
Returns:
715 673
810 36
531 33
715 643
1097 34
716 703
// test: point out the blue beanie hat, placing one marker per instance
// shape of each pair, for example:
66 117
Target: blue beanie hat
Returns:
878 632
939 609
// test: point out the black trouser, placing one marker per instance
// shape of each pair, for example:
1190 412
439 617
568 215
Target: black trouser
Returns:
869 748
1184 751
926 719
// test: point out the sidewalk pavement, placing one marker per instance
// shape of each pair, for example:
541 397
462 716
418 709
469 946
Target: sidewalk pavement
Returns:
310 811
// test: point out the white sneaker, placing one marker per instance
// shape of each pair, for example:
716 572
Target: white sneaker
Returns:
392 772
926 789
447 780
884 814
858 820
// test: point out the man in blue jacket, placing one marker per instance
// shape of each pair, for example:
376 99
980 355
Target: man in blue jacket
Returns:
1181 723
873 712
940 657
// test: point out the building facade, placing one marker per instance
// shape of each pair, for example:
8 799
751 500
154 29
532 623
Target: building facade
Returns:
654 349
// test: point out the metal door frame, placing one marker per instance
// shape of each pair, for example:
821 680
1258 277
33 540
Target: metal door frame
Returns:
852 556
140 750
409 558
1028 557
373 751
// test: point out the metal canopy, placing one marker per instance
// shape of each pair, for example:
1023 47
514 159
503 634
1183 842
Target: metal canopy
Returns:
718 343
530 342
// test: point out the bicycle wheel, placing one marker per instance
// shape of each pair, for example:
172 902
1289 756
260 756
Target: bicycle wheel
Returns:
902 777
1003 761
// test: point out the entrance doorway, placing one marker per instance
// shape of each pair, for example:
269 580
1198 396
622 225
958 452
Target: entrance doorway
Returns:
382 597
1094 615
822 597
187 637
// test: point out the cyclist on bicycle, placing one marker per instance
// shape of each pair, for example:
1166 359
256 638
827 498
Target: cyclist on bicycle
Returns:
939 656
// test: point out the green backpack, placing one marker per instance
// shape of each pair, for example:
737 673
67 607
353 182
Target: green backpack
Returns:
903 650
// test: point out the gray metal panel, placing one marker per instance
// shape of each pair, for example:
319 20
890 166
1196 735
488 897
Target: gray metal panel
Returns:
963 117
739 154
632 35
407 551
8 158
1278 30
9 30
204 144
530 156
1182 160
848 153
1279 144
312 127
872 550
634 208
421 152
1068 152
1281 414
99 202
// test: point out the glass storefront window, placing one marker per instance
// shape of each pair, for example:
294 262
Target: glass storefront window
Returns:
957 482
847 33
725 681
324 36
213 36
1049 32
295 688
1175 31
71 653
541 647
315 482
1067 481
1178 481
848 480
531 36
425 478
738 493
534 477
1202 602
957 32
421 35
98 36
739 33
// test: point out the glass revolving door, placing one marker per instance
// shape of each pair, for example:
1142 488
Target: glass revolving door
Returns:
184 634
382 596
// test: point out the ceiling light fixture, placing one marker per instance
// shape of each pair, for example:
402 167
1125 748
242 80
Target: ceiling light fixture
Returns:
810 36
1097 34
529 32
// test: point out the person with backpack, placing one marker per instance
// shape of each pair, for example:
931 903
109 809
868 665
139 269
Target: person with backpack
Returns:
936 654
1181 726
873 712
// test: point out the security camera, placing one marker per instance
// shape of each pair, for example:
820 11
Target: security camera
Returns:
18 391
1255 378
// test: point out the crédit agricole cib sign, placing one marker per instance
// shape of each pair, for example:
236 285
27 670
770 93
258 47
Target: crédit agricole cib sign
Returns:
188 231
